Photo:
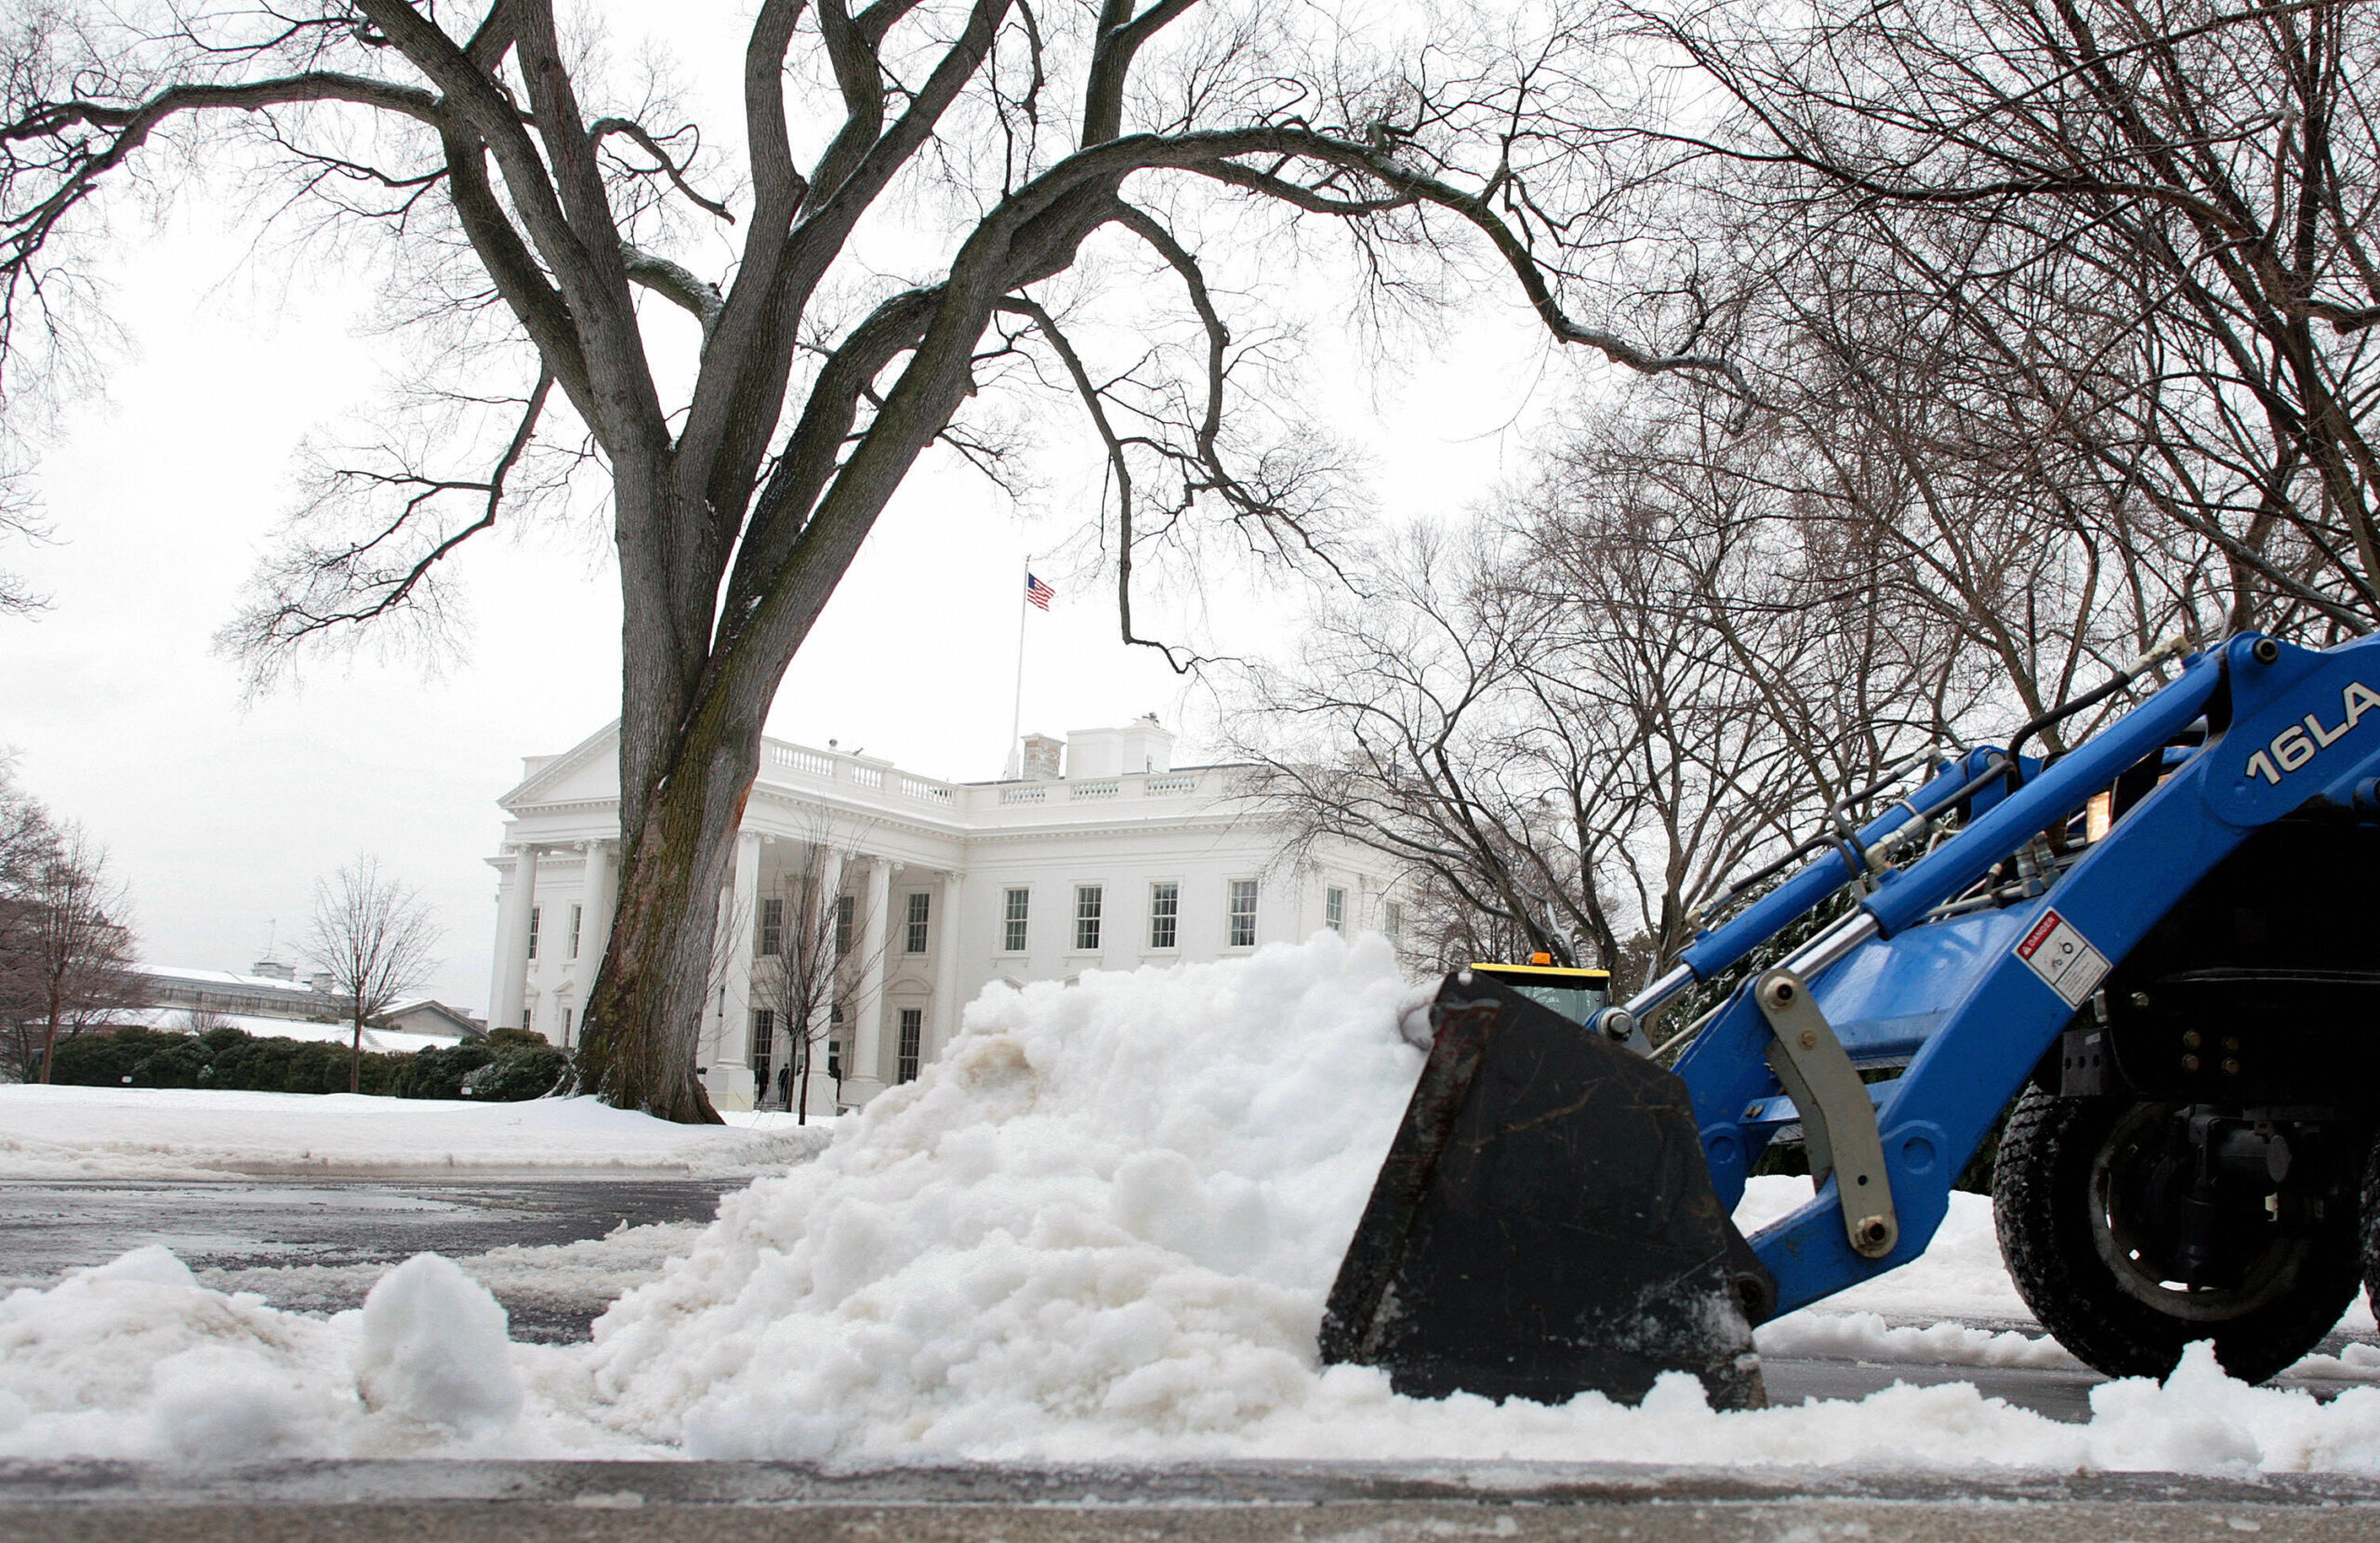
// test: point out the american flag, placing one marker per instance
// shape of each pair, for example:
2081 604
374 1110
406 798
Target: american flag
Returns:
1039 593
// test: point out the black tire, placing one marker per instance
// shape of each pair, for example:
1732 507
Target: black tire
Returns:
2075 1258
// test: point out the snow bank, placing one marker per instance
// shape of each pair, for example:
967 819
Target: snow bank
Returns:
170 1133
136 1360
1100 1228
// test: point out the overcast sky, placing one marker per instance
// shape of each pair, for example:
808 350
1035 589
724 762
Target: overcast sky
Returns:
221 815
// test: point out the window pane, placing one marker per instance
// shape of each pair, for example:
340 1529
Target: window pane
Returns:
1165 910
1012 920
1242 932
765 1048
912 1034
920 911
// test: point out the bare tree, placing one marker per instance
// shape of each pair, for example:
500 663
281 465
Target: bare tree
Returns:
2145 230
809 950
798 977
529 199
75 942
373 935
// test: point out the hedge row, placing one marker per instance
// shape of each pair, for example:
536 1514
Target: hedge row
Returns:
506 1068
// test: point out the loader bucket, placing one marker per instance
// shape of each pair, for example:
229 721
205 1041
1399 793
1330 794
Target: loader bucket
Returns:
1545 1223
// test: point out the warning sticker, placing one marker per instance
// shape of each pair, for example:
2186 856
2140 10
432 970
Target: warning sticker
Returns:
2063 957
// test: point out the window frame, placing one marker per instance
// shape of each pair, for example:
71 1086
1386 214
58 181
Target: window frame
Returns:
908 1052
536 913
1334 908
1232 912
917 924
1016 918
846 923
1172 918
577 915
1089 924
771 944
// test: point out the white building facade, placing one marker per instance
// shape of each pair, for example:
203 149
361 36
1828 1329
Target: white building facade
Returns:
1101 856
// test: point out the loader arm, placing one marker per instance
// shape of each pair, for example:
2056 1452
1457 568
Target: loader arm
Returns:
2296 733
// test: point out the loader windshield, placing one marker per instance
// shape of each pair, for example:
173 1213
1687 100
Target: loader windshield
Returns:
1575 993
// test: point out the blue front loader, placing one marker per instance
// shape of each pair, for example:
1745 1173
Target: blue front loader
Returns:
2157 956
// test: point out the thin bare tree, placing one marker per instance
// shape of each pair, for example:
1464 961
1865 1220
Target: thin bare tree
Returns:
752 423
78 941
809 949
373 936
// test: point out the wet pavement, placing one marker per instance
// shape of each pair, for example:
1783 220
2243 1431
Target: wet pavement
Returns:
336 1236
731 1502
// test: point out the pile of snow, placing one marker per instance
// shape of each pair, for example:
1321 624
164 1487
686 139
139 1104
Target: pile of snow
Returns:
136 1360
1102 1227
169 1133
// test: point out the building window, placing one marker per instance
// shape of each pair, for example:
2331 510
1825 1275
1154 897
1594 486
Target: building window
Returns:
524 1022
846 906
1392 919
1012 914
1241 933
536 915
1165 913
913 1032
772 928
565 1027
764 1044
834 1042
1334 910
1087 902
576 914
921 912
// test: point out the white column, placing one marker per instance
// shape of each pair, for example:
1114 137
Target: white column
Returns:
946 964
595 927
731 1066
866 1078
819 1095
508 987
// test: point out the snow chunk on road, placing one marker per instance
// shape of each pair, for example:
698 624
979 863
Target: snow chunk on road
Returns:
174 1133
434 1349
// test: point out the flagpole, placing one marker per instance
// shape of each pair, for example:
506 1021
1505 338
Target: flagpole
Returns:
1015 766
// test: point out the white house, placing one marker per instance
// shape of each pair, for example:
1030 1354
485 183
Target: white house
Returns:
1101 856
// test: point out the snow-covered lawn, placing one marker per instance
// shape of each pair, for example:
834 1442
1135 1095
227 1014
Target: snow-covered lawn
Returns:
1101 1227
164 1133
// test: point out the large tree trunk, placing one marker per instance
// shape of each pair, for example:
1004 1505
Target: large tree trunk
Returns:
643 1021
